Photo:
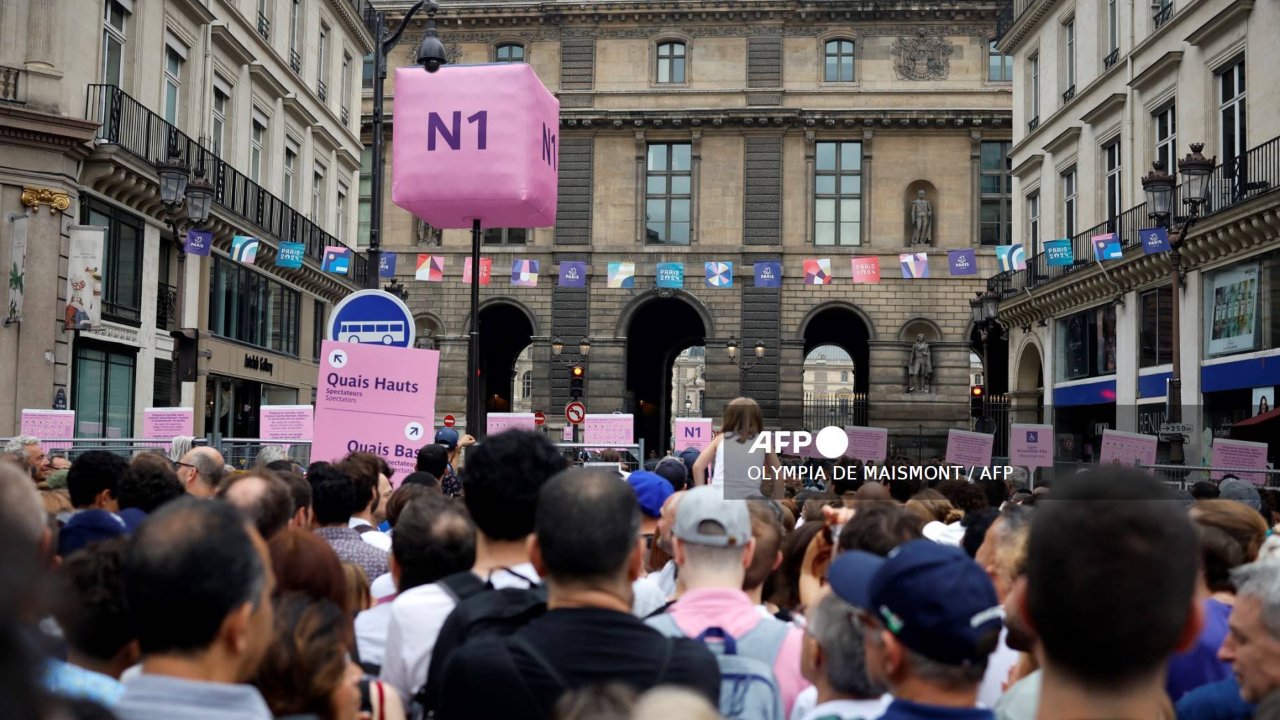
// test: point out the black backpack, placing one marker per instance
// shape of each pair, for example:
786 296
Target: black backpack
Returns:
481 611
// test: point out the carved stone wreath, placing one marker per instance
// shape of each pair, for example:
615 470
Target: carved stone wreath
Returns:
922 56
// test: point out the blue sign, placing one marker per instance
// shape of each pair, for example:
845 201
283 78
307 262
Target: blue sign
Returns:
386 265
372 317
1154 240
1059 253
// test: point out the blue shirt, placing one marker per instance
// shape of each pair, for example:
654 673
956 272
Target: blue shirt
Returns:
76 683
901 709
1215 701
1200 664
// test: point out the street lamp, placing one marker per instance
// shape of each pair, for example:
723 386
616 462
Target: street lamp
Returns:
395 287
1159 187
984 309
731 348
557 350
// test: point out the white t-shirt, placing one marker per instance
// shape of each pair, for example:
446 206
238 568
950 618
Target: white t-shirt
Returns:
374 537
371 633
848 709
998 666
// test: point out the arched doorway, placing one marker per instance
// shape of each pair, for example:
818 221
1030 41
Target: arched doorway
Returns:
505 331
837 354
658 331
1028 390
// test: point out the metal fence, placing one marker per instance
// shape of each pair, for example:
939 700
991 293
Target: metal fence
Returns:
73 448
838 409
241 453
584 455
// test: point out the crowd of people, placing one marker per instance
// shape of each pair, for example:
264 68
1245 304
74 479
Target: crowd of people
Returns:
497 581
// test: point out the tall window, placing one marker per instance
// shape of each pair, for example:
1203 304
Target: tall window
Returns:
1111 164
1166 126
218 131
1156 328
365 211
102 392
1034 90
122 260
1232 111
1113 29
248 306
317 328
113 41
1069 203
1033 223
996 210
290 173
669 193
322 62
506 236
837 193
295 27
345 103
526 385
671 57
317 197
838 61
264 18
341 211
173 62
257 141
1069 31
509 52
999 67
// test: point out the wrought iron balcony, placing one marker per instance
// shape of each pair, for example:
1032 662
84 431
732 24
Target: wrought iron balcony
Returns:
1109 61
1162 15
12 85
322 90
166 307
346 116
1068 94
295 61
1033 123
264 27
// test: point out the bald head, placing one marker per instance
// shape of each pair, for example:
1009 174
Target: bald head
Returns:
263 498
667 518
200 471
872 491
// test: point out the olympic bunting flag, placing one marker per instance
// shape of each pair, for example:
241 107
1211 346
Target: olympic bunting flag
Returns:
914 265
337 260
244 249
622 275
866 270
1011 257
1154 240
670 275
573 274
486 270
817 271
199 242
963 262
719 274
1107 247
430 268
1058 253
768 274
289 254
387 265
524 273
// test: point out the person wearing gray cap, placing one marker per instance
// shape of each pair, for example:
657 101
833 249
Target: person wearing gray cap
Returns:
1233 488
713 546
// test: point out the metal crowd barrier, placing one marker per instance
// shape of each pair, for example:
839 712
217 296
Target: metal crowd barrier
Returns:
241 453
72 448
583 454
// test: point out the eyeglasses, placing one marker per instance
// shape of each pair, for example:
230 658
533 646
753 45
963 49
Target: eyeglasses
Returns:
187 465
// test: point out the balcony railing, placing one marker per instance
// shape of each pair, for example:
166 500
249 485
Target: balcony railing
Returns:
346 116
1004 21
1033 123
264 27
1068 94
1109 61
128 124
1235 181
295 61
166 307
12 85
1162 15
322 91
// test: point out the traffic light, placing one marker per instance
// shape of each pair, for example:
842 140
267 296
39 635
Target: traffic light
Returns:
577 377
977 400
187 343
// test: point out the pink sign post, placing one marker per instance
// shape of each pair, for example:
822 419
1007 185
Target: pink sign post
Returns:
475 142
1123 448
1031 446
1239 455
49 424
970 449
499 422
693 433
608 430
867 443
377 399
167 423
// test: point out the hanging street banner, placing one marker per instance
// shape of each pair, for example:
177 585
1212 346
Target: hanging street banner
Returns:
524 273
244 249
621 275
1106 247
1011 257
1154 240
866 270
768 274
18 268
1058 253
1128 449
486 270
963 262
430 268
289 254
387 265
573 274
817 271
1031 446
374 399
84 278
669 275
693 433
199 242
496 422
915 266
475 142
719 274
337 260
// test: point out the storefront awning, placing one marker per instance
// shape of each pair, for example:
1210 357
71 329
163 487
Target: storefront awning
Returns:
1262 419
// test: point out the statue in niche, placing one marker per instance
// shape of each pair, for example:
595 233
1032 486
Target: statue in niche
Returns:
921 220
920 368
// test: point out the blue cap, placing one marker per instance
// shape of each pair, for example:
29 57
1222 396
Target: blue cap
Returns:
447 437
651 490
934 598
87 527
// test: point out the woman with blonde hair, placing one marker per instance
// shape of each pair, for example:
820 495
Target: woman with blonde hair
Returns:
933 506
733 465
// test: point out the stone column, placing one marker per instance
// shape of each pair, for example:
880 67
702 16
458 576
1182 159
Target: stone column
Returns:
41 61
975 185
451 387
791 385
723 378
39 333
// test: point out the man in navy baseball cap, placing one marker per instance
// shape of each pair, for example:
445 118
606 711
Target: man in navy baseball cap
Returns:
932 620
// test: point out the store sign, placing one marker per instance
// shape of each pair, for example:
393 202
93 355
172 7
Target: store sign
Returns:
259 363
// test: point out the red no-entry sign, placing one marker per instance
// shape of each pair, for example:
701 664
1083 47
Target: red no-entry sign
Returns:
449 420
539 418
575 412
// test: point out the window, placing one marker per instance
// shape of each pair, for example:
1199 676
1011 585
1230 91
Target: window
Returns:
290 173
837 193
1232 110
1033 91
102 391
257 141
342 213
295 11
1166 126
1087 343
838 61
173 62
161 382
113 41
999 67
1113 29
996 210
365 211
1111 164
669 193
844 376
506 236
122 258
526 385
317 197
250 307
1033 223
1069 203
322 63
1156 327
264 18
366 73
671 57
345 101
509 52
317 328
218 131
1069 30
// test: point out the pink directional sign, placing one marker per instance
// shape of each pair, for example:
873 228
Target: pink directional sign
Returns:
1031 446
1123 448
611 430
498 422
377 399
693 433
475 142
867 443
285 422
167 423
1241 455
49 424
969 448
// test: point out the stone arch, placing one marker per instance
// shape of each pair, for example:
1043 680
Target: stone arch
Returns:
489 303
817 310
429 328
637 303
917 325
1029 367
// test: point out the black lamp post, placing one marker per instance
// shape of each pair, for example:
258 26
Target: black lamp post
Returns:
731 348
1159 187
187 202
985 313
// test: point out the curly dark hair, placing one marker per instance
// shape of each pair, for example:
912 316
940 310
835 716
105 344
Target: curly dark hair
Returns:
91 608
148 483
964 495
306 660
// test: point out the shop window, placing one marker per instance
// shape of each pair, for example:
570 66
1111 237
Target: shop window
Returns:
1087 344
252 308
1156 328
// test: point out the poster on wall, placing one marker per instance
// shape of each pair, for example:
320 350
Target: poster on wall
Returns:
1233 310
1264 400
46 424
84 277
18 268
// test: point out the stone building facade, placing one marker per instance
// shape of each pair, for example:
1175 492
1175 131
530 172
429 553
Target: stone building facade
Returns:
703 132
